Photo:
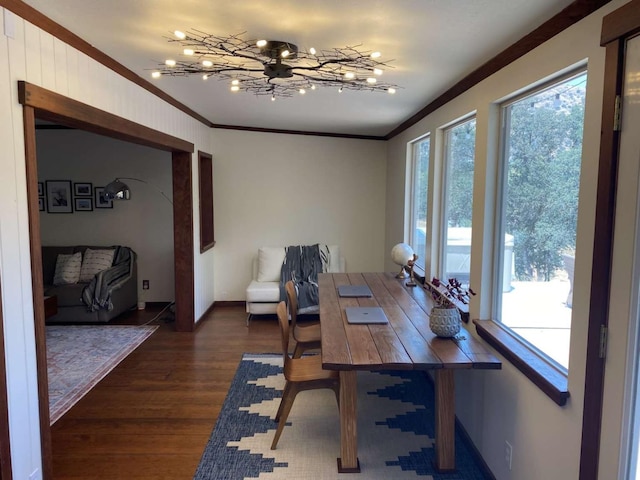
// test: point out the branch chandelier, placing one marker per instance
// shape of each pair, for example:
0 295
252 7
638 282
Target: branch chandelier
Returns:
258 66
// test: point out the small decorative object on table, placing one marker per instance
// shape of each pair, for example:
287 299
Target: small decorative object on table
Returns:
444 319
401 254
410 264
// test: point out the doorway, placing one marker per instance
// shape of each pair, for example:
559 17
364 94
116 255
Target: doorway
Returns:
628 188
46 105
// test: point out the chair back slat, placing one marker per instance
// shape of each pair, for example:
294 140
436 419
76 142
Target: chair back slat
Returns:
292 300
281 311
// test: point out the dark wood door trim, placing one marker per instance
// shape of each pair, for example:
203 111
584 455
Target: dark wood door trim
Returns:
183 241
37 287
72 113
5 444
621 23
41 103
617 27
601 271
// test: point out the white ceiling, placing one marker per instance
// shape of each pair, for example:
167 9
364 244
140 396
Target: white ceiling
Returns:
433 45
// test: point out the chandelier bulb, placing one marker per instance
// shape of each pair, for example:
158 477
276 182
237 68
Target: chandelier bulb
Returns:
273 98
205 77
349 75
376 55
391 90
207 63
170 63
180 35
312 51
156 74
340 90
313 87
371 80
378 71
235 81
285 53
302 91
261 43
235 88
188 51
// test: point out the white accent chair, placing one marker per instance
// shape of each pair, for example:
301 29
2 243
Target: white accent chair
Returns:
263 293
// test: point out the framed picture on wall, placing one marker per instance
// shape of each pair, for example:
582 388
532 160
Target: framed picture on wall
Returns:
41 204
59 196
82 189
83 204
101 202
40 189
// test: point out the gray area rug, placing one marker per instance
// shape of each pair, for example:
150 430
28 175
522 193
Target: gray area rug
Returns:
79 356
395 430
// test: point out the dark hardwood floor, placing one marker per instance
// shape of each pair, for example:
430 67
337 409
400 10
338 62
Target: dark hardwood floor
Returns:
151 417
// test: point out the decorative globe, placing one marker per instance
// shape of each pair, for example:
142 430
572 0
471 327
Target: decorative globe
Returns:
401 254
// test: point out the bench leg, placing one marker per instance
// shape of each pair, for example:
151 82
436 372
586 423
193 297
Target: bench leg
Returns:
248 319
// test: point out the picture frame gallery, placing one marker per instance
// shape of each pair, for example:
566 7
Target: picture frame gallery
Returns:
65 196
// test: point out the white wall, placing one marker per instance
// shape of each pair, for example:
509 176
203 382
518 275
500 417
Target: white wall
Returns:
499 406
276 189
144 223
35 56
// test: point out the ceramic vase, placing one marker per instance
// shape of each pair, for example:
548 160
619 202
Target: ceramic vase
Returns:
444 322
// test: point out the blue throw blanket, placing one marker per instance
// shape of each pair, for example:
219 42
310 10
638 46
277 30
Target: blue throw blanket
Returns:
302 265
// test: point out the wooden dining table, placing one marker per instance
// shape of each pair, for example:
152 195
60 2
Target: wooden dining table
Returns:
404 343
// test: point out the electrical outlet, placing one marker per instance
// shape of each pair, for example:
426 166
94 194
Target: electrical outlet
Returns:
508 454
145 284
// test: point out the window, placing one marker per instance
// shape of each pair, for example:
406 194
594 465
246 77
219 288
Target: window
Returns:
540 169
460 142
419 186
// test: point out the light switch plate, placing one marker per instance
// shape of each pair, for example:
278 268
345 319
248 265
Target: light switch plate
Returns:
9 23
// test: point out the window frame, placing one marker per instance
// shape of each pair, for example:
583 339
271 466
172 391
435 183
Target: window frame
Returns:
444 189
414 148
536 365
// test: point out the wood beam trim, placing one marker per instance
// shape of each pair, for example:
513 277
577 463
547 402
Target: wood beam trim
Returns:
41 21
561 21
58 108
298 132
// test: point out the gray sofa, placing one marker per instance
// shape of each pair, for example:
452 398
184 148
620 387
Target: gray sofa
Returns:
116 287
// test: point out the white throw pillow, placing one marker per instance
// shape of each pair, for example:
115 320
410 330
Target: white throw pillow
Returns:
334 259
270 261
95 261
67 268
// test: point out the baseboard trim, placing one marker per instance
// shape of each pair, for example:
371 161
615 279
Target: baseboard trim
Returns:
157 304
228 303
475 452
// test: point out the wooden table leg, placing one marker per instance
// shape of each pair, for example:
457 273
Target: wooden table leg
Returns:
348 461
445 421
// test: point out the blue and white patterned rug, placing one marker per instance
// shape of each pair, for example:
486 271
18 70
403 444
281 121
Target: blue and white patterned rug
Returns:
395 430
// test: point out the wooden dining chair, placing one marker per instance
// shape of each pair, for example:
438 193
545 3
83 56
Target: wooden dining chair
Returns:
307 336
301 374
